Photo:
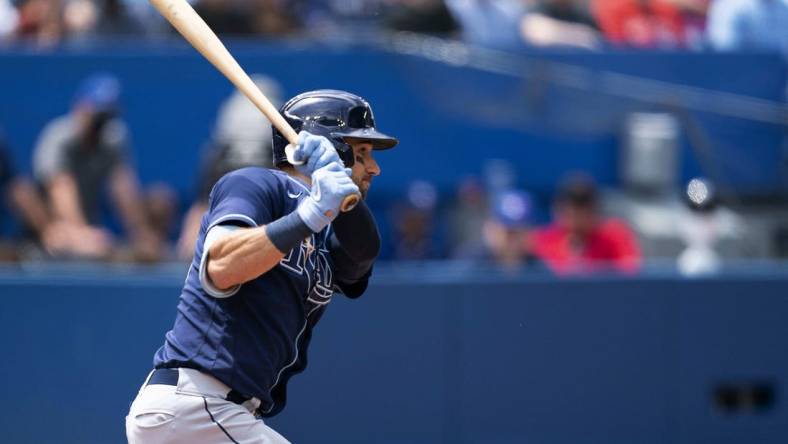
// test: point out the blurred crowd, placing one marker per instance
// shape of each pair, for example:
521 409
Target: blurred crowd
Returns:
749 25
83 200
502 225
82 178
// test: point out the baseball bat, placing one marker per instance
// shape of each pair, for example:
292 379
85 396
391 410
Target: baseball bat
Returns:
194 29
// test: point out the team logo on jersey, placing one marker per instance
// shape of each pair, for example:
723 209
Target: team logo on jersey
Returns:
311 260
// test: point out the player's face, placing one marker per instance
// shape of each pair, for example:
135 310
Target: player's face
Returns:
365 167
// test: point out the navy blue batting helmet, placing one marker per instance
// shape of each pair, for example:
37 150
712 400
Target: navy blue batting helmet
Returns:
338 115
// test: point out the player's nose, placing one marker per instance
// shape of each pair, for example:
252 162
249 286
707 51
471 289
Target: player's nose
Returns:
373 169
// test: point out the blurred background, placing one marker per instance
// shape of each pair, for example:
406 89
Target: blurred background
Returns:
585 225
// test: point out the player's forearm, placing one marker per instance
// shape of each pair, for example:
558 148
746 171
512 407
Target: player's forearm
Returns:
241 256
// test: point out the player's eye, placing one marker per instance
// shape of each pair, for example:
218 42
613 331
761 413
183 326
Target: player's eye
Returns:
360 159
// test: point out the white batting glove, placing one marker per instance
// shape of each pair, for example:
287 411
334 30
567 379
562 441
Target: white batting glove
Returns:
312 153
330 185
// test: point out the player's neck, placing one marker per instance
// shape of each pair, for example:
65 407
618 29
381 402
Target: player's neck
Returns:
292 172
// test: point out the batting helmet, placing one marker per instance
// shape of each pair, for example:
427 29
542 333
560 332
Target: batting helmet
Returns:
337 115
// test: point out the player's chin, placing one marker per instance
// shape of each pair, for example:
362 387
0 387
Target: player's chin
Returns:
363 188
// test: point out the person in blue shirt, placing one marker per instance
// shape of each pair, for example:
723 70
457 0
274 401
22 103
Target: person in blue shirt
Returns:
273 248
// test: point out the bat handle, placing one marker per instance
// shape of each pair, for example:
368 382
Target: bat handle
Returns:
348 203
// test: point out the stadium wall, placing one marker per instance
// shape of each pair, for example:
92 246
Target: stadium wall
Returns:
422 360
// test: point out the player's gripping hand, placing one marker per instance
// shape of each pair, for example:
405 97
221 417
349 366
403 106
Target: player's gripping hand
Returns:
312 153
330 185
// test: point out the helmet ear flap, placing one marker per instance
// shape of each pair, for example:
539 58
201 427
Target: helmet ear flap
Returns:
345 151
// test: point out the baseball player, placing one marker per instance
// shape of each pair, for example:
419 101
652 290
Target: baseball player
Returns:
273 247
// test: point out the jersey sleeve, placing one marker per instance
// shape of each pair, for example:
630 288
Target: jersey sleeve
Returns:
244 198
350 277
354 289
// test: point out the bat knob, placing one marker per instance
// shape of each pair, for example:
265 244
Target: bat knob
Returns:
290 151
350 202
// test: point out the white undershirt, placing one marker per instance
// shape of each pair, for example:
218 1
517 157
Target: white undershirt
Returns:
214 233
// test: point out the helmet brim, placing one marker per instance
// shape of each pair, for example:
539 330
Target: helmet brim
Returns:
378 140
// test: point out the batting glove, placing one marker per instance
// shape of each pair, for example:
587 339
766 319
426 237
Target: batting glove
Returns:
313 152
330 185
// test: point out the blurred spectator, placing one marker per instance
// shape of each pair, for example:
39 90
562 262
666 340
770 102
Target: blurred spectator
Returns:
414 235
493 23
116 20
422 16
466 218
274 17
227 16
23 200
82 153
749 25
242 138
247 17
560 23
9 19
505 232
651 23
40 21
321 16
364 16
79 18
47 22
580 240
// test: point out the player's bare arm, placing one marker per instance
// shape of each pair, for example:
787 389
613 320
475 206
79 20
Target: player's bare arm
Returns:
241 256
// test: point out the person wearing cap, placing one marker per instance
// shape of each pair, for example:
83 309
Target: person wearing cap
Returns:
81 154
506 231
580 239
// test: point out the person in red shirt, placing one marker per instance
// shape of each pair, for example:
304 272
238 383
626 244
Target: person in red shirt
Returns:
650 23
580 240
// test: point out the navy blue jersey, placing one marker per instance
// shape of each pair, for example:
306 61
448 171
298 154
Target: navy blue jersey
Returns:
256 339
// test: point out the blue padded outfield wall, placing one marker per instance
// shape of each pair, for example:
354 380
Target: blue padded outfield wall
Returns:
448 117
485 359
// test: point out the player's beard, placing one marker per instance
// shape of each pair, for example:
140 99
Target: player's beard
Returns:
363 185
